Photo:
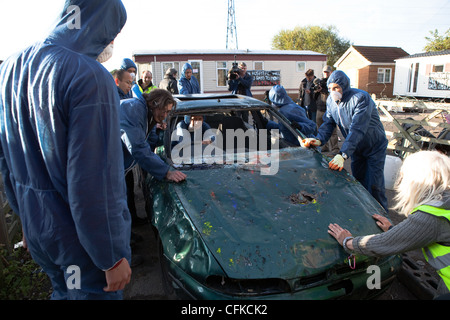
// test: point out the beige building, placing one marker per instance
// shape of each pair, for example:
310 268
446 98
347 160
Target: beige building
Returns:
285 67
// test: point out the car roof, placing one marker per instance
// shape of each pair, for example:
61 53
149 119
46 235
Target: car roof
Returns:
210 102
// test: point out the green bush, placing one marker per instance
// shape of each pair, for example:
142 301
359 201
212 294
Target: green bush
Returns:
21 278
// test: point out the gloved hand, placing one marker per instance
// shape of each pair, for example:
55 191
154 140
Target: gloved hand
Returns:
308 142
337 163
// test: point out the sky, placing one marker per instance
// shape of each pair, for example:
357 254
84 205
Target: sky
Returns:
202 24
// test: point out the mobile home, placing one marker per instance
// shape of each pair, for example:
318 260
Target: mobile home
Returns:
423 75
285 67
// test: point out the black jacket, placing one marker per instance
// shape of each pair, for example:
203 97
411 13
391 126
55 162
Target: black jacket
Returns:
302 93
321 94
169 83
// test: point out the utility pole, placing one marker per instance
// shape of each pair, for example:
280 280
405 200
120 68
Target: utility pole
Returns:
232 42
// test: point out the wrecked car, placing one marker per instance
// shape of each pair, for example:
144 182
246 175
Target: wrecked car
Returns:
251 219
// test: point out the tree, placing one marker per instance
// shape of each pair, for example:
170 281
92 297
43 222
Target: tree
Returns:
438 42
315 38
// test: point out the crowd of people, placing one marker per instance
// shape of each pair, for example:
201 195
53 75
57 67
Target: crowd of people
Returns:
60 141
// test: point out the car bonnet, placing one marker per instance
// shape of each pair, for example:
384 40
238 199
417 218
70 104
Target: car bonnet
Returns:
266 226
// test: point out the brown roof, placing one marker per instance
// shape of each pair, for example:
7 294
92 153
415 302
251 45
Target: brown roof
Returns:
381 54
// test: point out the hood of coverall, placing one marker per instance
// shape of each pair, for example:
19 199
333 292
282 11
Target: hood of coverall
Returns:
127 63
340 78
88 26
279 96
186 66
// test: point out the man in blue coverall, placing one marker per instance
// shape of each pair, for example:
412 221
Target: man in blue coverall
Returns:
365 139
293 112
60 153
188 84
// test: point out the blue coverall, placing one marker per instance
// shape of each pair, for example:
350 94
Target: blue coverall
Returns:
365 139
293 112
125 65
134 126
186 86
60 151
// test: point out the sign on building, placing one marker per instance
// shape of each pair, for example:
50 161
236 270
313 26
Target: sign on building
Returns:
439 81
265 78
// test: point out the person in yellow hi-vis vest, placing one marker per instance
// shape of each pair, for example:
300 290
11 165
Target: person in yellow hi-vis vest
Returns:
144 85
423 195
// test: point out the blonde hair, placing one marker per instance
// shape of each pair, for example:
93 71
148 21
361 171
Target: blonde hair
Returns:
424 177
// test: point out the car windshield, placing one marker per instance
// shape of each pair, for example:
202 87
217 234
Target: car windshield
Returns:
228 137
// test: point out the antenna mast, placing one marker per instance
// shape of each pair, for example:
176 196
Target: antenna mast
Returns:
232 42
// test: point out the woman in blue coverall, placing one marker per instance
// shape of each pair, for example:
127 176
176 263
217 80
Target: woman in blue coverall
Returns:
293 112
59 147
365 139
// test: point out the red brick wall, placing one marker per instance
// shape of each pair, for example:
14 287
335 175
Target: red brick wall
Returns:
368 81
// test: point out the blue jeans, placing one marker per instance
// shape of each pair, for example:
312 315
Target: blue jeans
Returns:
311 114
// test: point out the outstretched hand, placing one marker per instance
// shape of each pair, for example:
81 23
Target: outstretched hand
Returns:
175 176
338 232
382 222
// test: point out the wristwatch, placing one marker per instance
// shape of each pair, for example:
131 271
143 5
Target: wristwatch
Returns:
344 244
344 155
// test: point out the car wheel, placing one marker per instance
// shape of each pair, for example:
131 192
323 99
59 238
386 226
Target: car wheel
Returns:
165 274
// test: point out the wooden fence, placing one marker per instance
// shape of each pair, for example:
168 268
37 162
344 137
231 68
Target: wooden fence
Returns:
415 125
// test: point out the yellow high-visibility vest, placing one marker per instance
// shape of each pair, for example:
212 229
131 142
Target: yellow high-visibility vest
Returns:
437 255
147 90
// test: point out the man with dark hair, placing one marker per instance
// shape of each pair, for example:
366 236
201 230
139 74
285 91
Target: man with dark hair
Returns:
242 81
306 94
124 81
